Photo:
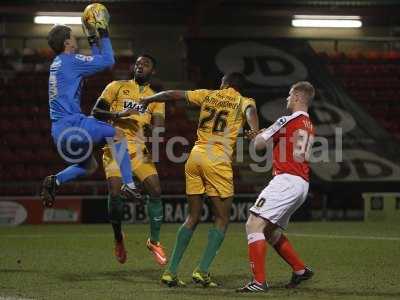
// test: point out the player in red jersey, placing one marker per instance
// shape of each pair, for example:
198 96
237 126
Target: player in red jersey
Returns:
292 138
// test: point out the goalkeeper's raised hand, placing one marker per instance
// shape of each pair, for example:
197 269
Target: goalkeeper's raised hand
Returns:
90 32
95 21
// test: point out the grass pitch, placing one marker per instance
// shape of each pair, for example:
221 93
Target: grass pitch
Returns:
351 261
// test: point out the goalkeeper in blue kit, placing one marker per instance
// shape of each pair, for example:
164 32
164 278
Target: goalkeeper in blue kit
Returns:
75 134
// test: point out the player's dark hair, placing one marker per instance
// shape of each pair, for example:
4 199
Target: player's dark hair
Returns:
153 60
57 36
235 80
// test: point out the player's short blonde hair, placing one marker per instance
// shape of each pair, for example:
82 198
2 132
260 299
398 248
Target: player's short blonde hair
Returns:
306 88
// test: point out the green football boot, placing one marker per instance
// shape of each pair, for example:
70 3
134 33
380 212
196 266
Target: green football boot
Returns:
203 278
171 280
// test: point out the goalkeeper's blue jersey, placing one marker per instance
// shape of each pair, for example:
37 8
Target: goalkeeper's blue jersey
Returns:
66 74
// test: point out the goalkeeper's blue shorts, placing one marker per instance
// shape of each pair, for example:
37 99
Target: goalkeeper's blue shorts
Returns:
77 135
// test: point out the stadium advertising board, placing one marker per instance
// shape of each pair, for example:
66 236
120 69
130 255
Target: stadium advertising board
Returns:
176 211
25 210
382 207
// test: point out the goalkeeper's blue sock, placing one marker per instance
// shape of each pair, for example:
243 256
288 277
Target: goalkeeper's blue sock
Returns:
120 153
70 173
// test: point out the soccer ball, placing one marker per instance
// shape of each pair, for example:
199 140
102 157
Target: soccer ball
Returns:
96 16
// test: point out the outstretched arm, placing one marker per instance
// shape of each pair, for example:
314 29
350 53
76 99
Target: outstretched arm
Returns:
101 111
252 118
266 135
259 141
167 96
158 121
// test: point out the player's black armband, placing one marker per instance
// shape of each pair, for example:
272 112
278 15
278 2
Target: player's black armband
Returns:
101 110
103 32
102 104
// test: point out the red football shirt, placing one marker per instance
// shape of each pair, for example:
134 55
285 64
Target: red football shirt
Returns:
292 137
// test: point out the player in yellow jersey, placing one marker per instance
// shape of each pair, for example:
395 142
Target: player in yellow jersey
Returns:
117 99
209 167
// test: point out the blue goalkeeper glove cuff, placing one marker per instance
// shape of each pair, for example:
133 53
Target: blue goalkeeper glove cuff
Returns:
103 32
92 40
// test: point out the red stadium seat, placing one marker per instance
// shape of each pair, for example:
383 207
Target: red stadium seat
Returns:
45 155
41 171
391 55
379 71
26 124
15 110
32 110
44 124
8 155
6 125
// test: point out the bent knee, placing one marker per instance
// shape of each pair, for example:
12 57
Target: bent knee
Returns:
222 223
114 192
255 224
223 220
152 186
155 192
274 236
114 186
92 167
192 221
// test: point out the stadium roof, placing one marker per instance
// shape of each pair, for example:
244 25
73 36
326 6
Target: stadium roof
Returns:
215 12
321 3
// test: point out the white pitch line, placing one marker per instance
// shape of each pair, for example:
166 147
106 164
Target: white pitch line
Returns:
306 235
43 236
350 237
14 298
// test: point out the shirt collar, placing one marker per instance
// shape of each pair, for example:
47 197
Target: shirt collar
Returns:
147 84
300 112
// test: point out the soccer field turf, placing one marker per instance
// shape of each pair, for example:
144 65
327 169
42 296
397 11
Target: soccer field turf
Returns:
351 261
